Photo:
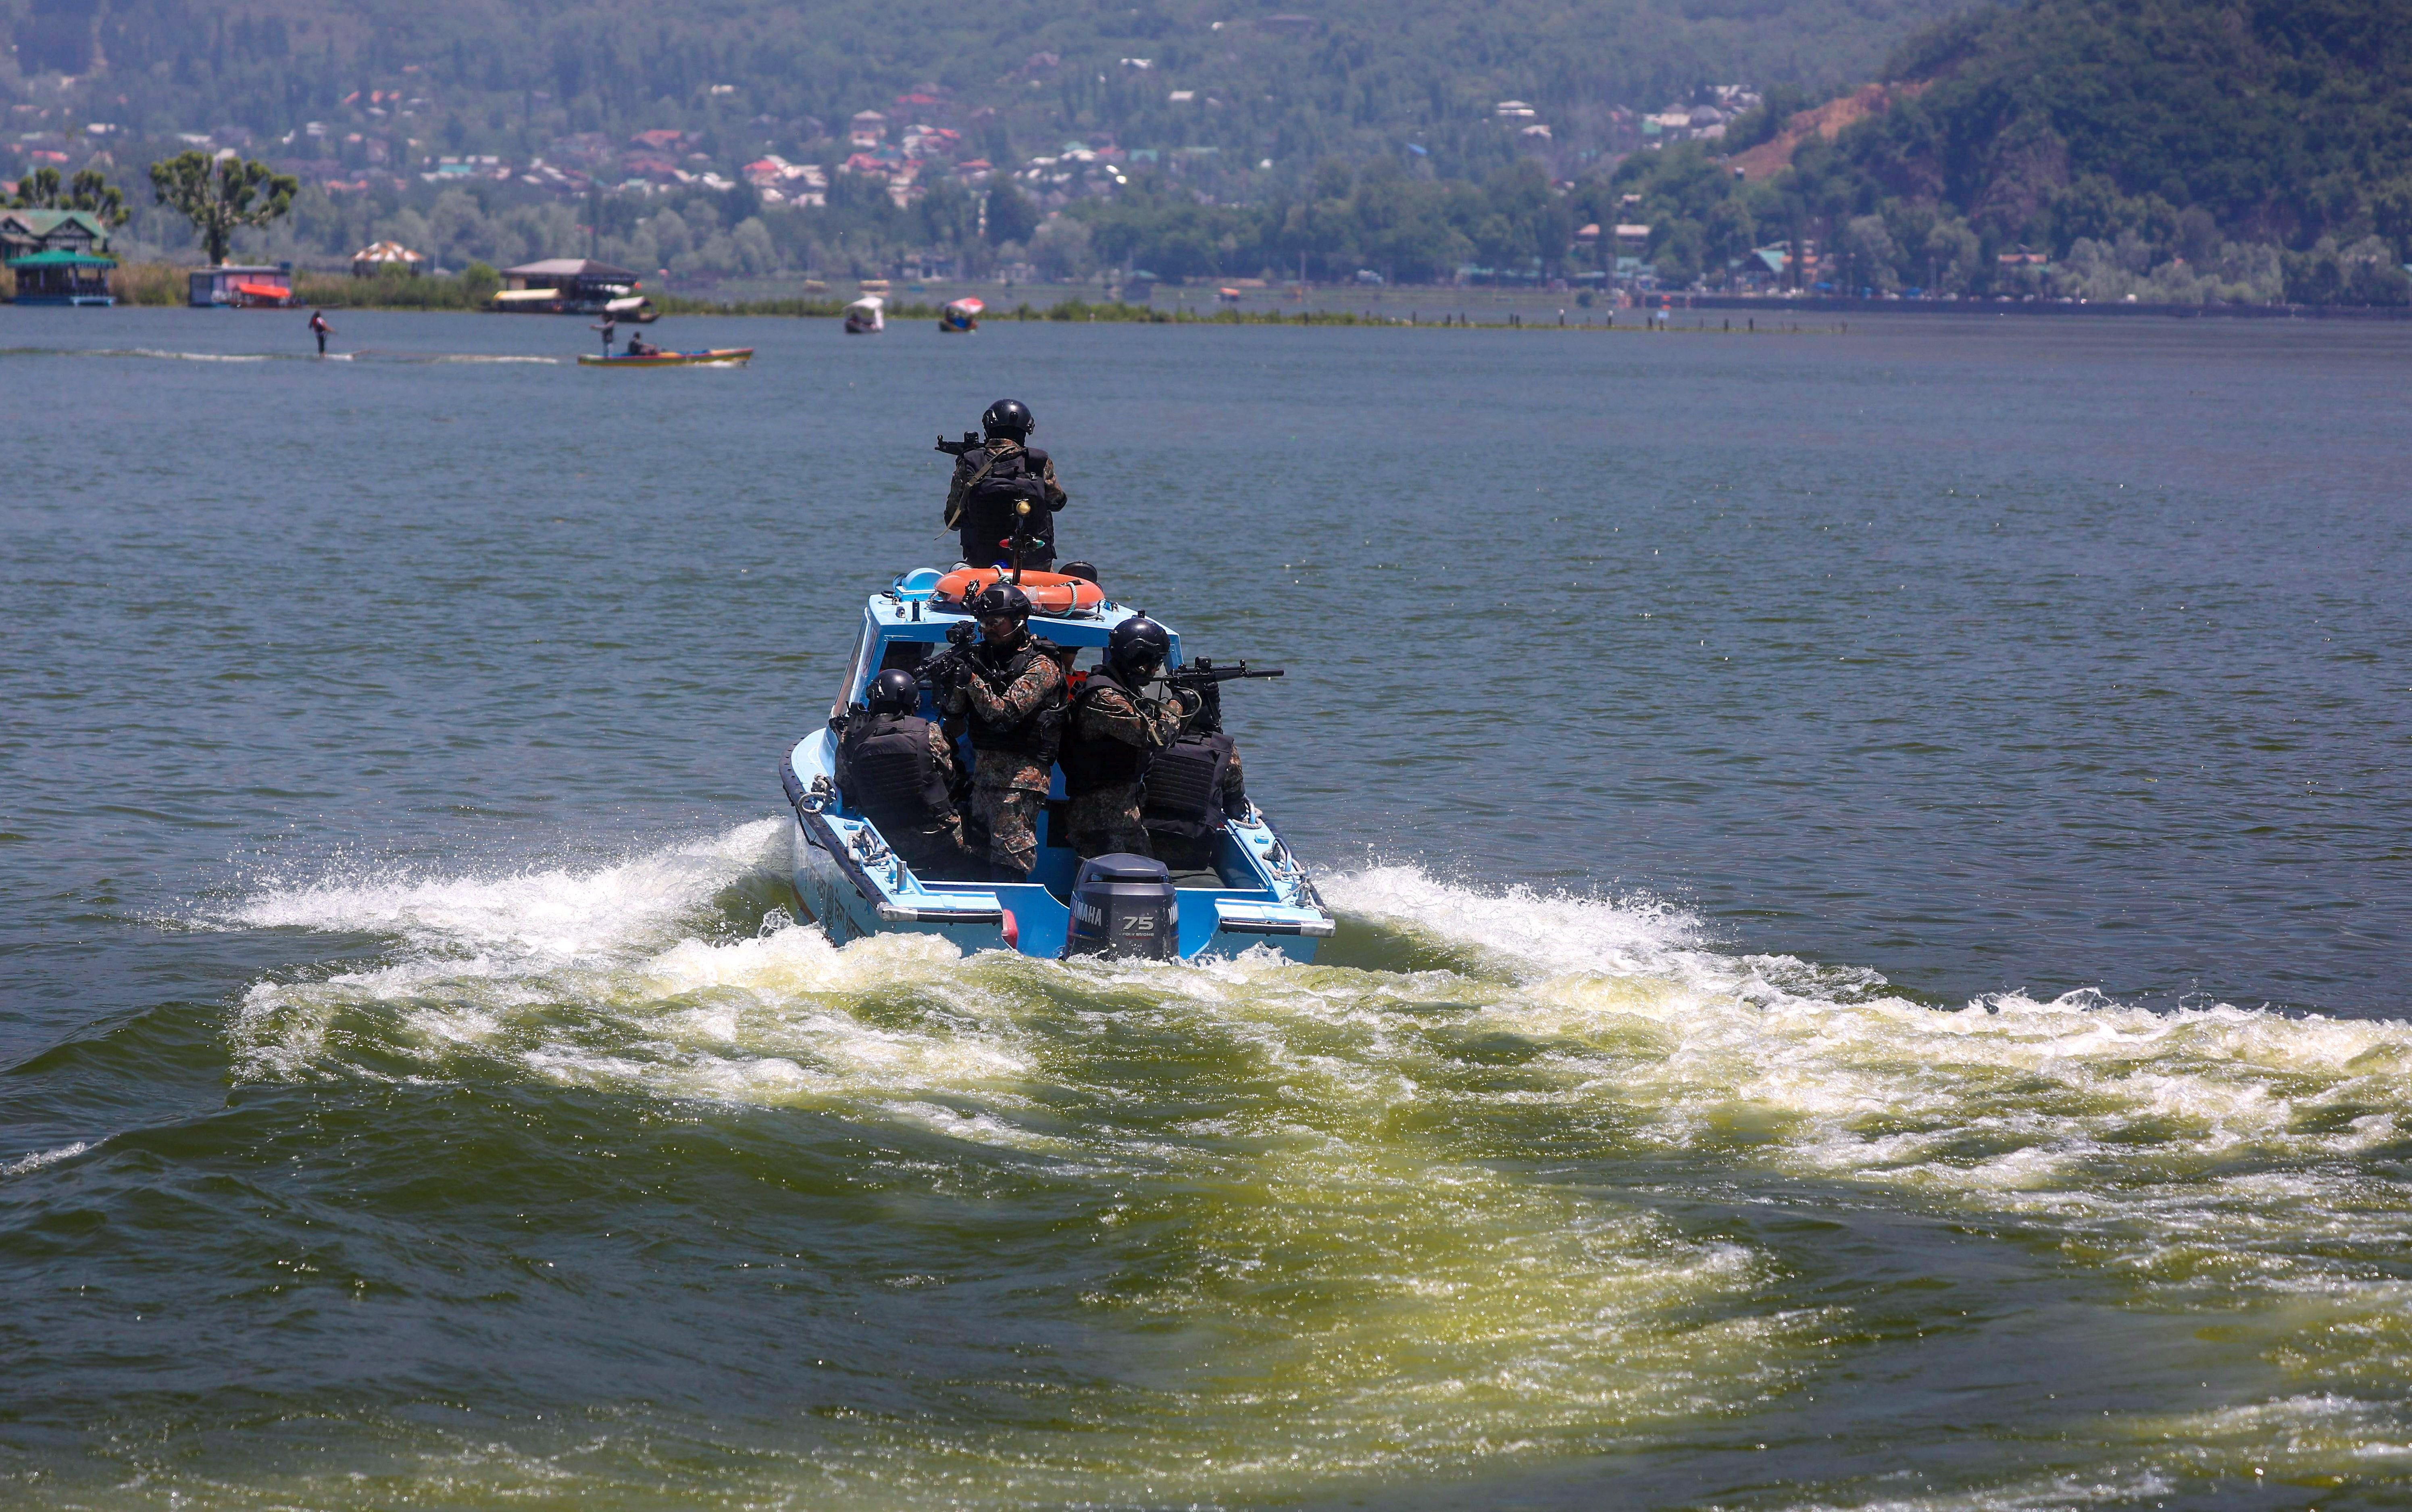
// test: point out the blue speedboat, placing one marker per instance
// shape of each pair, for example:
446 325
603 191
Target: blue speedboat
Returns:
854 885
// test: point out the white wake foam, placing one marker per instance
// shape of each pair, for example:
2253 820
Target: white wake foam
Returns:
195 357
550 913
1313 1130
1548 932
40 1158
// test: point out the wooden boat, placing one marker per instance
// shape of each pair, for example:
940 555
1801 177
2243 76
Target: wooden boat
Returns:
732 356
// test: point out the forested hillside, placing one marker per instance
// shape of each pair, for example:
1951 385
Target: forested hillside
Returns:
511 77
2160 149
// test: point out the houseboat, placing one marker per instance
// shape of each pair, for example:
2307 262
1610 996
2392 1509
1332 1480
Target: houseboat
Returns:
572 285
63 278
59 257
231 286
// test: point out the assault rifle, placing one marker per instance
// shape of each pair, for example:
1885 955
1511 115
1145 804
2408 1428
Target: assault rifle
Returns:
951 668
1204 681
971 441
1204 674
1022 539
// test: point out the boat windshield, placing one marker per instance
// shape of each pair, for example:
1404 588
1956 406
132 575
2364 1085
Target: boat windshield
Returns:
854 671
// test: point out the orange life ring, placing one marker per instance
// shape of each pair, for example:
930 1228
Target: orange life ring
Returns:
1050 592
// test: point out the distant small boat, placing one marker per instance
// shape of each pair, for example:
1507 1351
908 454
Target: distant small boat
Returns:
865 316
961 315
733 357
1229 296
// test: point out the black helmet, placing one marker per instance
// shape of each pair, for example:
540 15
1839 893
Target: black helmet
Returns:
1008 417
1001 600
1085 571
893 691
1138 645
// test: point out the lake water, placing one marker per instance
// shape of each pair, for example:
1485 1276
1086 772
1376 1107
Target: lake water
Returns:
1872 973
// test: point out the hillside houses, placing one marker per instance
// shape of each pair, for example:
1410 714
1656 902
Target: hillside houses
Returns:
1705 120
782 183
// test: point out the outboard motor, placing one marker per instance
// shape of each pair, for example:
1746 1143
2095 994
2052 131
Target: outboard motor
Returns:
1123 905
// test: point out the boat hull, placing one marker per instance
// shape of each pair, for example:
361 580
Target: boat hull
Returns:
1021 917
1256 895
726 357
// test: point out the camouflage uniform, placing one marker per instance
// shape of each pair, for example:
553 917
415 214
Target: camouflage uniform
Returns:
1105 820
980 536
1009 786
1233 793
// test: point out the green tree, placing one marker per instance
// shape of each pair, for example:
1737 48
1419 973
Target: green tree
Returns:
219 197
1010 216
89 191
1869 245
1680 244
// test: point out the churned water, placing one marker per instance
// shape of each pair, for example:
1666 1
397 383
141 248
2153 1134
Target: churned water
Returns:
1873 883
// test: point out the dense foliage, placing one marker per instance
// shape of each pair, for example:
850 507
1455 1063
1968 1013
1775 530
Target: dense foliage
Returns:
2162 150
219 197
89 191
1381 218
511 75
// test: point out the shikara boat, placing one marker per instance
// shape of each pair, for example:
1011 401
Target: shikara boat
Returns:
735 357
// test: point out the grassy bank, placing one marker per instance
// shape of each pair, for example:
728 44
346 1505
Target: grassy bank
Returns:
169 283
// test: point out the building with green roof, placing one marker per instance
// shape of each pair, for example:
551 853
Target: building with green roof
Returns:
59 257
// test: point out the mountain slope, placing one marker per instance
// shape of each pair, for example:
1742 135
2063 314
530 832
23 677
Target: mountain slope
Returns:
2154 149
1362 79
2284 120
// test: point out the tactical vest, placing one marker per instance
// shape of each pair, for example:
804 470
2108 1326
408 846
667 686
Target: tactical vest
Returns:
1095 761
1184 784
1037 735
892 776
1015 476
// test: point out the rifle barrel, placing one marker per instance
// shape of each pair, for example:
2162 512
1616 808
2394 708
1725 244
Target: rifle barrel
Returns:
1221 674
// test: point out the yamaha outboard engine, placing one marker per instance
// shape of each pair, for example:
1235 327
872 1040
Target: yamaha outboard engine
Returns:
1123 905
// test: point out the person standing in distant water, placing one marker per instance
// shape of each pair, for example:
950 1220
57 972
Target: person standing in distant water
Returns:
320 329
994 478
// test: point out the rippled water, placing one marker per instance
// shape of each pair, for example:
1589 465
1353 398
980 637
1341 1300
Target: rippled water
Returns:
1873 889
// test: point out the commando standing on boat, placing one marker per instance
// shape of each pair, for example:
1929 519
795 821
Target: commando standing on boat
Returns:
1114 731
320 329
898 769
991 479
1007 693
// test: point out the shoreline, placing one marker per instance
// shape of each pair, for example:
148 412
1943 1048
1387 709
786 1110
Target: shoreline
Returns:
160 284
